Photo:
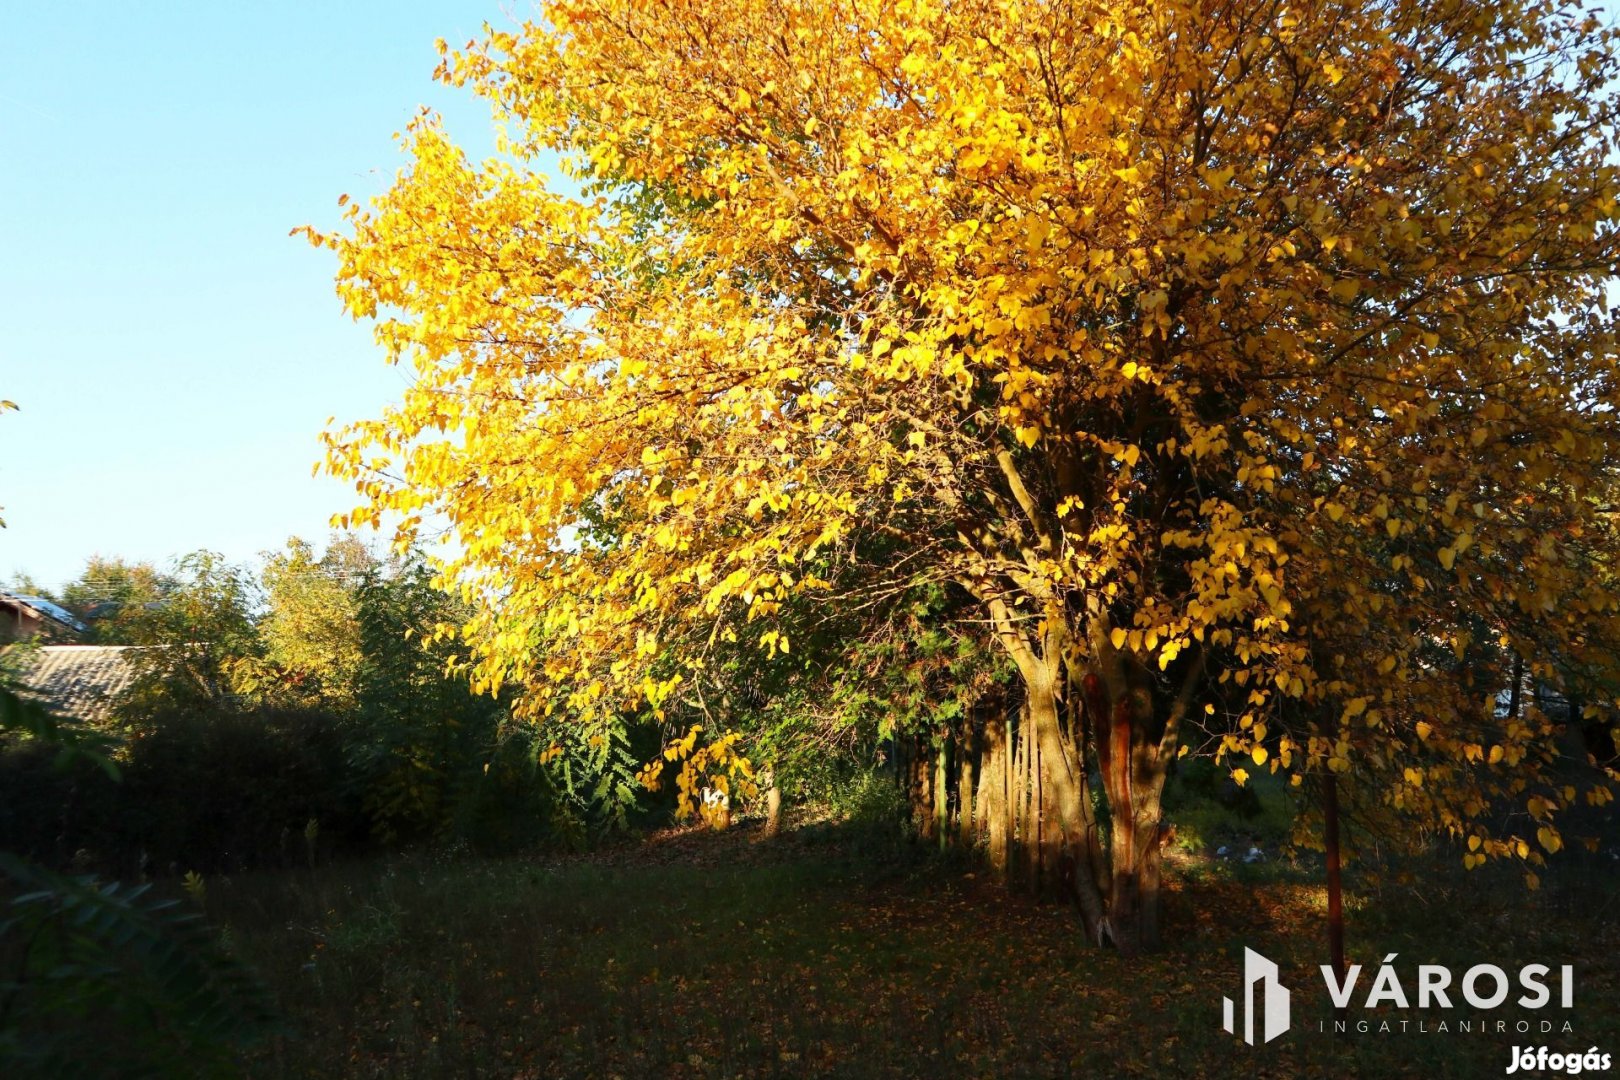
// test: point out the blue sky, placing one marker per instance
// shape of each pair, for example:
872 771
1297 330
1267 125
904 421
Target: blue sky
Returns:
174 352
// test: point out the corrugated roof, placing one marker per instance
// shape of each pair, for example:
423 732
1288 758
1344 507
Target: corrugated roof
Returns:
79 681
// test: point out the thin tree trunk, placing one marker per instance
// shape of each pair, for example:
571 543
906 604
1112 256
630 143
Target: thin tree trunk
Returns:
905 773
1518 687
1009 794
773 805
1032 805
942 795
1335 896
1039 816
1063 794
993 783
981 787
922 808
1017 795
964 789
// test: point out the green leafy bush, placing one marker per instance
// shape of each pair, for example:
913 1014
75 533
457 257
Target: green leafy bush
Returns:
102 979
105 980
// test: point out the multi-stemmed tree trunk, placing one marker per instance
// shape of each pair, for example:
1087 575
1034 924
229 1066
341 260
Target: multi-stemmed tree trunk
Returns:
1069 776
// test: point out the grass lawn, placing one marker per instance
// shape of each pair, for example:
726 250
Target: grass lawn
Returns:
829 952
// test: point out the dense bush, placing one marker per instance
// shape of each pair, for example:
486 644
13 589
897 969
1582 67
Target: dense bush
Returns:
231 789
107 979
1210 810
213 790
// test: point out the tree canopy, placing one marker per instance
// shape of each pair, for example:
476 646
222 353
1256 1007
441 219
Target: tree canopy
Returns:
1245 369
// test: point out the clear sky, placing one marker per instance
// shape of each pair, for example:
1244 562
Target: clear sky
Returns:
174 352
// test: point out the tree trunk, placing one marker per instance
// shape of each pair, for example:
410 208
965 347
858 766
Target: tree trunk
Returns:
993 806
1017 795
1009 797
1055 833
942 795
1135 743
773 805
1518 687
923 792
964 789
1063 794
1030 803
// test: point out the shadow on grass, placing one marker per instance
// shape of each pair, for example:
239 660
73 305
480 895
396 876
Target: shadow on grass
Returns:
836 951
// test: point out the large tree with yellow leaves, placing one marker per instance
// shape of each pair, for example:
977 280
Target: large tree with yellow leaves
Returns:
1247 364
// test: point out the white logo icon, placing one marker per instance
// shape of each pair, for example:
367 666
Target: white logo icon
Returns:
1257 969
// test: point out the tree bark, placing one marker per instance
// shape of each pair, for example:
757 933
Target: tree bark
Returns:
964 790
1517 688
1135 739
1029 803
1009 795
993 797
923 791
773 805
1063 794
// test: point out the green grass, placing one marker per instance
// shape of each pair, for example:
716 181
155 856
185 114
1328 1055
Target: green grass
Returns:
828 954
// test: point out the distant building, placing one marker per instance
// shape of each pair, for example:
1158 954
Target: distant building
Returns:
78 682
30 618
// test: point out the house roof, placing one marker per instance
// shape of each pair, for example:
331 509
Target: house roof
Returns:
48 609
78 681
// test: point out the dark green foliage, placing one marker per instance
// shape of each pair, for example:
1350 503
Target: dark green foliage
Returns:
416 737
1210 810
43 761
202 790
100 979
434 760
197 636
596 777
104 979
512 803
114 598
223 790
